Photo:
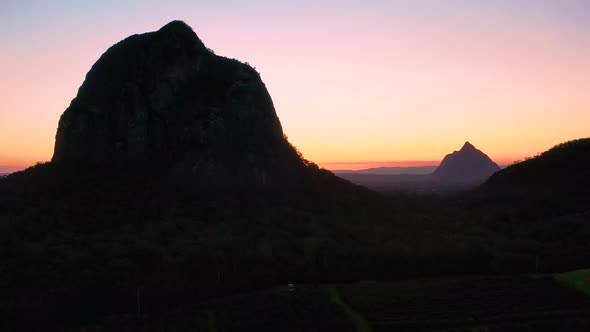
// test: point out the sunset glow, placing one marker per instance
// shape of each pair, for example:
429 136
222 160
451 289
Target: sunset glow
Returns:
382 83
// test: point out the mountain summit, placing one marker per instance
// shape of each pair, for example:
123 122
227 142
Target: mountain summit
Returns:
163 101
468 165
468 147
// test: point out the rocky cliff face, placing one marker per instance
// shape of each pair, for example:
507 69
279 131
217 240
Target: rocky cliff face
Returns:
163 100
468 165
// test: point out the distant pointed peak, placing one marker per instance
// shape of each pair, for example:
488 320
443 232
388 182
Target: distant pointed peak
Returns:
468 146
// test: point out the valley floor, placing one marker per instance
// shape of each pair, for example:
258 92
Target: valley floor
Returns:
471 303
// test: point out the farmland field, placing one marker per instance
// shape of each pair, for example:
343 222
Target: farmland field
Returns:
579 279
476 303
302 308
466 303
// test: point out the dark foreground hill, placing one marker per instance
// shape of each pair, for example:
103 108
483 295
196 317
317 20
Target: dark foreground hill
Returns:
563 169
554 183
542 204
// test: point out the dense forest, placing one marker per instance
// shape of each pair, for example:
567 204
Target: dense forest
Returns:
84 243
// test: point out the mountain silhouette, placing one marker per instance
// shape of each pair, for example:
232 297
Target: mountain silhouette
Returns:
162 101
160 121
468 165
458 171
561 170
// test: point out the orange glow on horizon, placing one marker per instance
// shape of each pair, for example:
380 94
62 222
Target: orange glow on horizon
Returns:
407 82
358 165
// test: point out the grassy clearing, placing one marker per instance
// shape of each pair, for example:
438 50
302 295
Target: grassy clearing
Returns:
211 321
579 279
357 319
500 303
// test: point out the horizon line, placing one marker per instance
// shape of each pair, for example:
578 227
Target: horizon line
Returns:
330 165
360 165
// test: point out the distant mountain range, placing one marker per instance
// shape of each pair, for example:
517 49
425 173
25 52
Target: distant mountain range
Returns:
461 169
391 170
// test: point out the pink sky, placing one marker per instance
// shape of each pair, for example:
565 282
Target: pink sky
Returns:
352 81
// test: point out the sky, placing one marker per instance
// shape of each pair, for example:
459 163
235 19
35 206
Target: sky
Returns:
355 83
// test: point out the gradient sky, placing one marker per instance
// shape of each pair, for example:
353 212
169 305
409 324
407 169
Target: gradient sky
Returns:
353 82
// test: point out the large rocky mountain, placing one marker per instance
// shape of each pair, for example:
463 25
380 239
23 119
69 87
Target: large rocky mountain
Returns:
163 101
468 165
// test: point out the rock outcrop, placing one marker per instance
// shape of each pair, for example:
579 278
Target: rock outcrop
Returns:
466 166
162 100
